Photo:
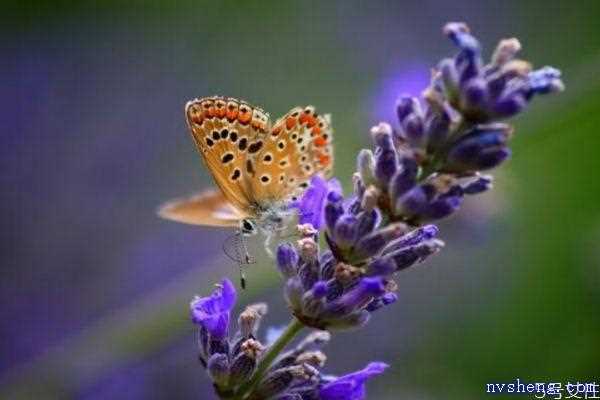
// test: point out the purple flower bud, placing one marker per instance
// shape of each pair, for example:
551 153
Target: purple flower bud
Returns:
242 367
411 202
218 368
309 273
442 207
333 210
479 185
412 127
405 178
510 105
327 262
386 299
287 259
313 299
437 127
277 381
312 203
457 32
357 297
381 266
382 135
405 106
319 290
374 242
217 345
351 386
406 257
367 221
346 230
475 93
412 238
386 165
483 148
544 80
212 313
293 292
491 158
335 289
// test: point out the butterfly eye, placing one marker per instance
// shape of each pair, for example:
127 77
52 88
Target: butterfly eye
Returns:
248 227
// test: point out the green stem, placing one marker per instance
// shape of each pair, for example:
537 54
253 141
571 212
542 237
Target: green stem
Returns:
286 337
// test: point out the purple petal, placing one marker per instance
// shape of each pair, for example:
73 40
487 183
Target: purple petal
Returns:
351 386
312 204
212 312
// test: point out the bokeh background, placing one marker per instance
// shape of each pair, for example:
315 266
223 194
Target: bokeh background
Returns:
94 288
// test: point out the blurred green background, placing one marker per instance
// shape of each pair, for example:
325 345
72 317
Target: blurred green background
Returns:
95 288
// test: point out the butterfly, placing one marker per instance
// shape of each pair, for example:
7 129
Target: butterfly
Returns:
258 167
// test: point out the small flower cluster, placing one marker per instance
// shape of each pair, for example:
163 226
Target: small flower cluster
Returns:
231 362
418 173
424 168
343 286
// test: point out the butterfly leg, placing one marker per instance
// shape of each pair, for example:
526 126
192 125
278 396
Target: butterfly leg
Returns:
268 243
243 261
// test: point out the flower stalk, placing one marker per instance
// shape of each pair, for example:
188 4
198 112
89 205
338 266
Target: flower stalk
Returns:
290 332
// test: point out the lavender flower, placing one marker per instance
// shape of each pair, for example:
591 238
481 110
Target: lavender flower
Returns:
233 363
328 292
212 313
417 174
499 89
423 169
312 204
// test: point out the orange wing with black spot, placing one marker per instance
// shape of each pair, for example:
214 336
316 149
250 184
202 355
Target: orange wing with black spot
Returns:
226 130
297 147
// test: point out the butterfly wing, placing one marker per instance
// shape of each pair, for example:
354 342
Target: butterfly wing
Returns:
225 131
297 147
209 208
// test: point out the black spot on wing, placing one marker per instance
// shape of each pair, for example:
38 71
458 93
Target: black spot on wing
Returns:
254 147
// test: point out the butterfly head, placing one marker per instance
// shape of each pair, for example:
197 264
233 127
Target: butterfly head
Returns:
248 227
